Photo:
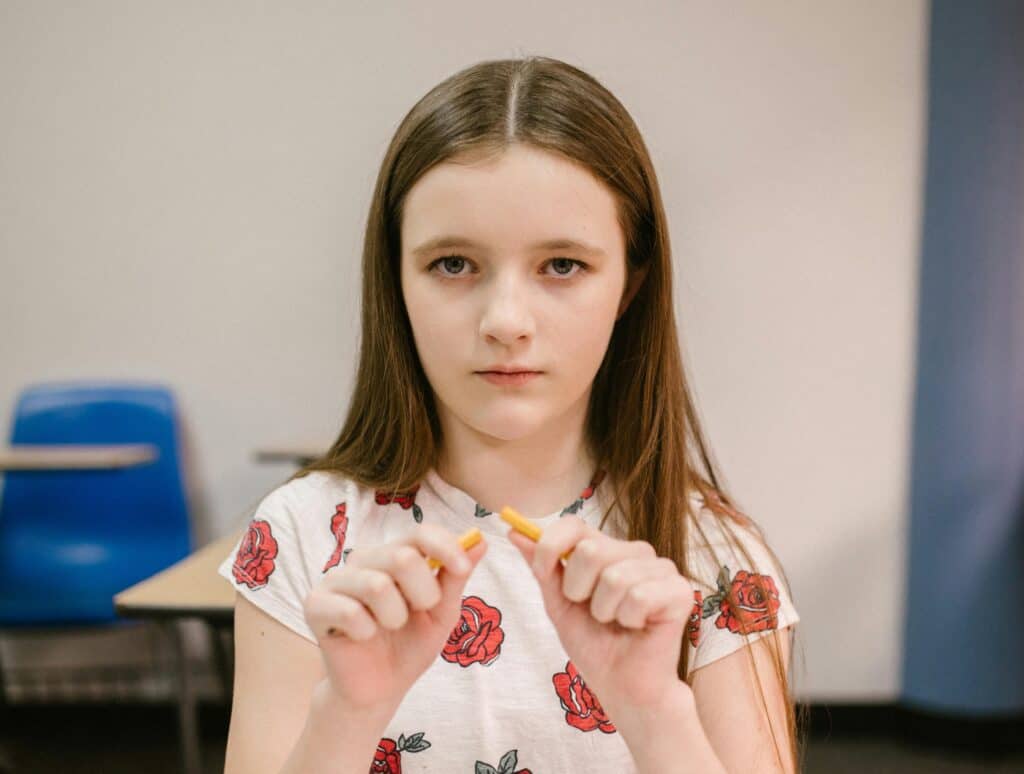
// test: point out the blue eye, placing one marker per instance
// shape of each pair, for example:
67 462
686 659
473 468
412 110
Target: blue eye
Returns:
459 260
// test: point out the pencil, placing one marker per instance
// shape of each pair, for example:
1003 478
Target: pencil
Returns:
525 526
467 540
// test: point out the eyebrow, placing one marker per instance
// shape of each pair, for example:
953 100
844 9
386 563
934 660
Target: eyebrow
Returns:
560 243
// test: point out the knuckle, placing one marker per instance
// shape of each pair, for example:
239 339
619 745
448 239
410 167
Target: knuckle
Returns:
599 613
587 548
350 614
645 548
406 557
433 585
614 578
637 595
377 584
433 593
398 620
572 594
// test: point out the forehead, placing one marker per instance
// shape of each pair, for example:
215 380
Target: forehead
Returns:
513 201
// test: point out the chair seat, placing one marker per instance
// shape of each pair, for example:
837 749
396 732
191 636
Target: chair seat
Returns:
51 578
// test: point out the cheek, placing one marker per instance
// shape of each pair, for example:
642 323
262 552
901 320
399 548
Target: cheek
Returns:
431 327
439 339
438 347
581 338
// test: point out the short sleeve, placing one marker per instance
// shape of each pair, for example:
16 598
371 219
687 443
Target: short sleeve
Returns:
267 565
736 601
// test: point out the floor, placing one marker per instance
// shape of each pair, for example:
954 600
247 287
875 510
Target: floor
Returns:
73 739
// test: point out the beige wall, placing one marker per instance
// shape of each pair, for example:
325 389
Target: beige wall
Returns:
183 188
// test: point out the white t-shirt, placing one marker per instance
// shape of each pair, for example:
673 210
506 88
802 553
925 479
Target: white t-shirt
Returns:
502 696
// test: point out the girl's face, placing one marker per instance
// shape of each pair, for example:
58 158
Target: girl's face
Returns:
483 290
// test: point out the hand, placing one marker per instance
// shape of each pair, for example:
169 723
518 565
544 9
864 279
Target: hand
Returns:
619 610
391 614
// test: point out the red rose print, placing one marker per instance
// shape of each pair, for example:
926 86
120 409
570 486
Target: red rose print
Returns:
477 638
589 491
339 526
388 758
254 561
406 499
582 709
693 625
586 494
750 605
507 765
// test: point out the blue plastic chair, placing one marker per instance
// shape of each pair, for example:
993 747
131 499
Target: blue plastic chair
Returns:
70 540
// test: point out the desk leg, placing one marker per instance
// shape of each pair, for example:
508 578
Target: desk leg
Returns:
225 660
188 727
6 763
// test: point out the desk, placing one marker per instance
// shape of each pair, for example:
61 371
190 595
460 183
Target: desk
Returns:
189 589
301 453
193 589
75 457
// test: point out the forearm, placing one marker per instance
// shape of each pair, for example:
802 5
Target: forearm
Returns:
337 739
669 739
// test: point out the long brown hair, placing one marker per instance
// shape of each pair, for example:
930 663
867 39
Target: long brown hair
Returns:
642 425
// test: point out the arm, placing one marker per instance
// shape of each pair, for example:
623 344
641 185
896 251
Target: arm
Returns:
720 725
334 739
282 717
669 738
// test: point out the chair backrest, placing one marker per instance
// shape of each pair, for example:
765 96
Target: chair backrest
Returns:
144 503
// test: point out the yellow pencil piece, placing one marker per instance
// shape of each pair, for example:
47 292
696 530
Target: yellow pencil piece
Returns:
520 523
523 525
467 540
471 538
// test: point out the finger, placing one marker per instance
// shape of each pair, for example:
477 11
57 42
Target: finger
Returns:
526 546
655 601
376 590
452 586
592 556
330 614
415 578
560 538
441 544
429 540
617 578
405 564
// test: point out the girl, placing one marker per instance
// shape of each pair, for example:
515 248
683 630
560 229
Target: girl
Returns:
516 226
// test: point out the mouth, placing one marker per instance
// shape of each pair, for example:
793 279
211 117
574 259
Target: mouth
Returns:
508 377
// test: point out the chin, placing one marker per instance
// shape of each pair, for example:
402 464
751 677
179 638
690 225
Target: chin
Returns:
507 425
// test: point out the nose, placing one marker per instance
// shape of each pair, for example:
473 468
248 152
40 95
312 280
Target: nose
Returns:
506 314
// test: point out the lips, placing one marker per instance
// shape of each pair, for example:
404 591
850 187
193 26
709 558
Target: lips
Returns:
503 378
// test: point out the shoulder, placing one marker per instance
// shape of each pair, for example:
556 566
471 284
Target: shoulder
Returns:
304 501
299 523
741 592
715 540
298 531
319 485
295 534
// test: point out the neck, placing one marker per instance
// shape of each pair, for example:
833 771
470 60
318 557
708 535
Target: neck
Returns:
536 475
